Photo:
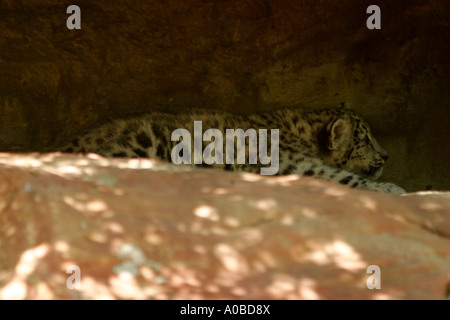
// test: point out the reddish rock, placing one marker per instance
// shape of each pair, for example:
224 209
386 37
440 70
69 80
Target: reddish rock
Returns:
141 229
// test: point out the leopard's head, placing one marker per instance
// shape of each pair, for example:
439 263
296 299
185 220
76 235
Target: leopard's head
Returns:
349 144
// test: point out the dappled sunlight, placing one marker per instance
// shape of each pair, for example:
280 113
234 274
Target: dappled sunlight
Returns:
118 192
382 296
231 222
200 249
284 181
99 237
337 192
189 276
20 161
397 217
267 258
176 280
220 191
96 206
61 247
216 191
114 227
70 170
153 235
231 259
239 291
125 286
95 290
307 290
336 252
74 203
251 177
265 204
92 206
281 286
427 193
308 212
368 203
431 206
16 289
137 164
207 212
289 287
29 260
65 171
153 239
87 167
94 156
287 220
10 231
44 291
226 279
147 273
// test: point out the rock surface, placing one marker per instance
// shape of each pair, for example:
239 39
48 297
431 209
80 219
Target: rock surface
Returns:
132 57
140 229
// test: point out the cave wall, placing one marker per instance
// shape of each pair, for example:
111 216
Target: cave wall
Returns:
238 55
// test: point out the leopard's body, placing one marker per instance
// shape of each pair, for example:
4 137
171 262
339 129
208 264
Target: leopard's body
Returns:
332 144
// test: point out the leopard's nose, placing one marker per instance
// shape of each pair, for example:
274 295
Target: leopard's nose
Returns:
385 157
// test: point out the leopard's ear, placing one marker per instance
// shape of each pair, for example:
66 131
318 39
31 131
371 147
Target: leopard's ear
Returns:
337 132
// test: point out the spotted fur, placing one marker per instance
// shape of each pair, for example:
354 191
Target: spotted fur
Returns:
330 144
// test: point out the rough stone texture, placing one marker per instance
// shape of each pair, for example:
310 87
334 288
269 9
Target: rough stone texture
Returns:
140 229
239 55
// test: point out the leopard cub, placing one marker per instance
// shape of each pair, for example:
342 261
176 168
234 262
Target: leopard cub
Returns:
331 144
